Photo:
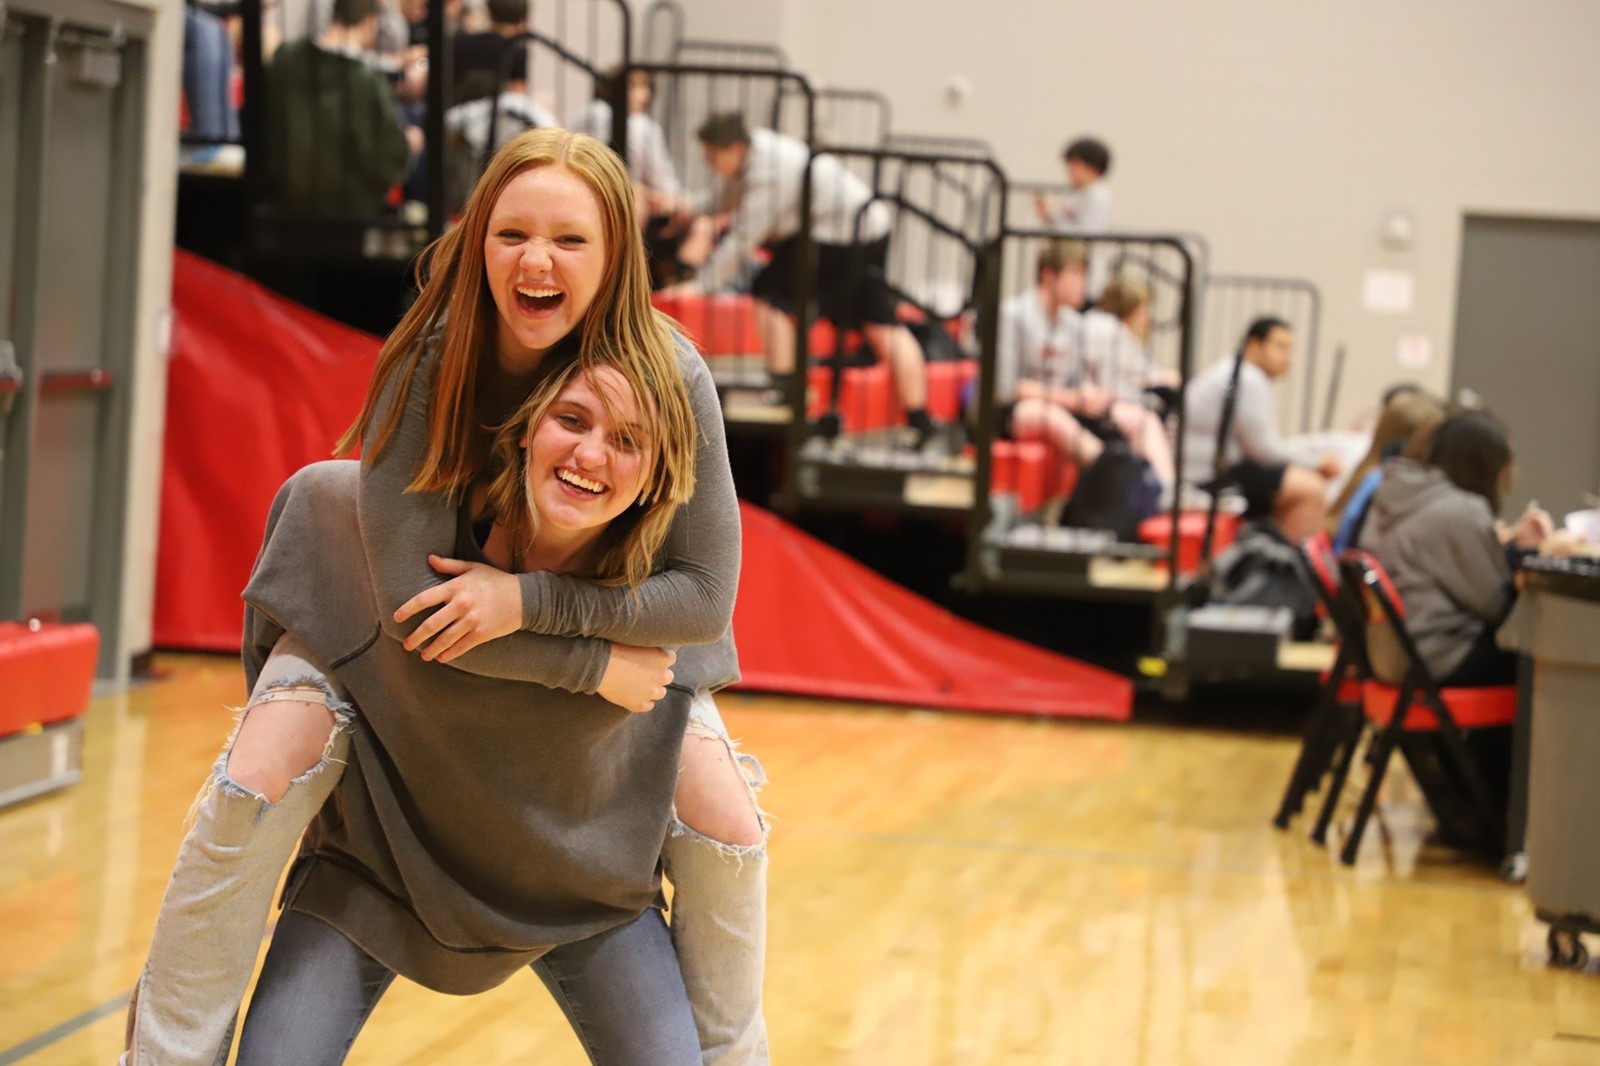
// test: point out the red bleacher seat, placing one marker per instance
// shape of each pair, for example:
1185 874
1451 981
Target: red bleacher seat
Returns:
867 399
46 673
1032 470
945 384
1157 530
723 324
730 327
688 309
824 337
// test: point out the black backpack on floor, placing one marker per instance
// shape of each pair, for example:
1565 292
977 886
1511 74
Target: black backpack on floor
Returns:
1262 569
1117 493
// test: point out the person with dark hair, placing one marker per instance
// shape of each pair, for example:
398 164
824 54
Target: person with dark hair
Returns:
1253 458
335 142
763 172
476 58
1433 527
479 127
1088 208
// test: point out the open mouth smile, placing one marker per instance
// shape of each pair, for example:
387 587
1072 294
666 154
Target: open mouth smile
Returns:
539 299
577 481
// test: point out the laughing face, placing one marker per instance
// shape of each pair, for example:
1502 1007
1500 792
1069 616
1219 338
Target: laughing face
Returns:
545 257
589 456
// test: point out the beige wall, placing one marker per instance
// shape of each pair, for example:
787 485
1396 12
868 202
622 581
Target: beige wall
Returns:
1283 132
152 328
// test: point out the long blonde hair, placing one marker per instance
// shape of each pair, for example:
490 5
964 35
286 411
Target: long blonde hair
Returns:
456 313
1406 416
625 550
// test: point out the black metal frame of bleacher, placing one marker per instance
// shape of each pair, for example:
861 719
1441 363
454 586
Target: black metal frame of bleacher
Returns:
1063 563
833 470
1175 669
795 85
1284 297
869 99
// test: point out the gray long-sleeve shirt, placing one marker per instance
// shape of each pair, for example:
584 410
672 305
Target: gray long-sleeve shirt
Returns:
479 821
483 820
569 622
1254 434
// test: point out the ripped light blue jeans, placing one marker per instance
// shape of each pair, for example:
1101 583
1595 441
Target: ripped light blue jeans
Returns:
216 906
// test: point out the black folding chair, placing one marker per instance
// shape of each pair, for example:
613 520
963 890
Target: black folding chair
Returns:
1417 706
1338 706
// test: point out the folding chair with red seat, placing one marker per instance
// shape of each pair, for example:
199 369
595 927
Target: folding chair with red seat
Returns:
1337 713
1418 705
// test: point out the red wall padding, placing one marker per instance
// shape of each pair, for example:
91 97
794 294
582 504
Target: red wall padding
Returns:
812 620
259 387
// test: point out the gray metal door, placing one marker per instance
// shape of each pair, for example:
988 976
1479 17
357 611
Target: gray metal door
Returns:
70 154
1528 342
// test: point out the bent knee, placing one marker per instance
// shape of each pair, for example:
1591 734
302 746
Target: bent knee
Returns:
732 828
1300 482
279 742
716 794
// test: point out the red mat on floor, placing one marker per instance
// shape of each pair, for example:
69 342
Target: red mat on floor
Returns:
259 386
812 620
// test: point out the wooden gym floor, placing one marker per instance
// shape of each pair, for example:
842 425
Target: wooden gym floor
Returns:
945 889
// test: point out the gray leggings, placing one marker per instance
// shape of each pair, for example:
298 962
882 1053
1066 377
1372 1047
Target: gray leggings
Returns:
620 990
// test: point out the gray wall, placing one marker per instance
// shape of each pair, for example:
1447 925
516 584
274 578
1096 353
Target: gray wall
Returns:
1284 132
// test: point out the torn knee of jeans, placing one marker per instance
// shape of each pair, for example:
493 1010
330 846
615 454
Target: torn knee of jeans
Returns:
308 689
738 852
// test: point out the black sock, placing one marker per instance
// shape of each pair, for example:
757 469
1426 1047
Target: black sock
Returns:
919 420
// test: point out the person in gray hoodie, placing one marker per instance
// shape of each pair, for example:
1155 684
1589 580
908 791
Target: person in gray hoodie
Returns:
1433 527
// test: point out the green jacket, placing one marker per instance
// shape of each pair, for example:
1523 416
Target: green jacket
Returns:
335 144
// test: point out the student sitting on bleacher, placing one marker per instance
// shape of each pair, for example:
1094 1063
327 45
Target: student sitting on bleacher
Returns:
1036 356
1116 370
1432 526
467 127
335 144
1407 413
762 172
673 235
1254 457
476 58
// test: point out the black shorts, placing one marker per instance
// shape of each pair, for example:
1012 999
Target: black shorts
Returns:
852 283
1005 417
661 250
1259 482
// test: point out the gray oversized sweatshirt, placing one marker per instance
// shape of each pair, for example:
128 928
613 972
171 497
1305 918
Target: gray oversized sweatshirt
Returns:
1438 544
483 819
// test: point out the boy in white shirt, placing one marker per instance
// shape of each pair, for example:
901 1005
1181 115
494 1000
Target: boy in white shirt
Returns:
764 170
1254 457
1038 357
